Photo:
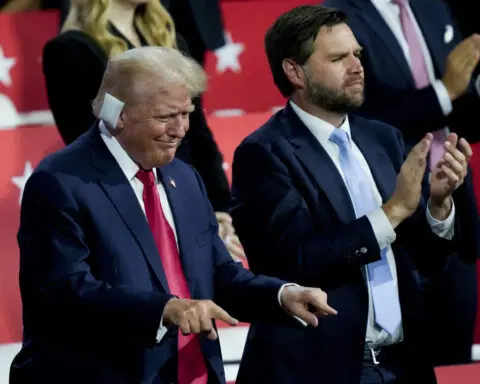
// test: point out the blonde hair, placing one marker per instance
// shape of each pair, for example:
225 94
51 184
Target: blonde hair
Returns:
21 6
91 16
130 75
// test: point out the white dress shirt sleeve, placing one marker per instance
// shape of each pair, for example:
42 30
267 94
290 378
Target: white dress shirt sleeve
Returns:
444 229
382 228
442 96
161 332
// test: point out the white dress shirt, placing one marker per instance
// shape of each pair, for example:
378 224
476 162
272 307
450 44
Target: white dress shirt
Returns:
384 232
391 15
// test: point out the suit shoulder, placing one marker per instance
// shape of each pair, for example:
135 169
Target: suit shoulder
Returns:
65 159
267 134
376 127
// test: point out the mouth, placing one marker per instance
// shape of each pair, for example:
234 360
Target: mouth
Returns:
168 144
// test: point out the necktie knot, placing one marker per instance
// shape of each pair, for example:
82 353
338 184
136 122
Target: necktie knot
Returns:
340 137
146 177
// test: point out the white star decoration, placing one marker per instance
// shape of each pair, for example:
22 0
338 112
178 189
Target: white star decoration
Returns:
227 56
20 181
6 64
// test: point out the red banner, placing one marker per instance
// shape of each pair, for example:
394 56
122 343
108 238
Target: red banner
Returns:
238 84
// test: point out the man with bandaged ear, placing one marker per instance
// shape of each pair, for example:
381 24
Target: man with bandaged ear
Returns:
122 271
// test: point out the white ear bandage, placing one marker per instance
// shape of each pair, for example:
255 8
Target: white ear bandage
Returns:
111 109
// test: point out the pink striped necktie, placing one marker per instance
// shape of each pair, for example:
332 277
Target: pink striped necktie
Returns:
420 73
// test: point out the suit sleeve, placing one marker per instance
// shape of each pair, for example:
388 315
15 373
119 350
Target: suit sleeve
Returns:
278 231
283 238
72 78
58 285
245 296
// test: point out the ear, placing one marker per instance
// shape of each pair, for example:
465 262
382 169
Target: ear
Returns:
294 73
121 121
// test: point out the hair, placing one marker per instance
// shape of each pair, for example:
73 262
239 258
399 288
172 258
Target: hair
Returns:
292 36
130 74
21 6
91 16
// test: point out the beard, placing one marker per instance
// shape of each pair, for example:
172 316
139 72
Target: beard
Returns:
332 99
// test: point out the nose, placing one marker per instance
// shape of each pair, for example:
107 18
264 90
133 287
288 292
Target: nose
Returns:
354 64
177 127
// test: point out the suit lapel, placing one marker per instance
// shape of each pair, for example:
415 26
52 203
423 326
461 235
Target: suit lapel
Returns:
317 161
377 160
374 21
119 191
182 221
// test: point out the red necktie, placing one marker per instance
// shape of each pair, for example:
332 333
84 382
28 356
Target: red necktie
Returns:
191 364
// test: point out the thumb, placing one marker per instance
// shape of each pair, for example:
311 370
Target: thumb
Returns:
212 335
424 146
220 314
302 312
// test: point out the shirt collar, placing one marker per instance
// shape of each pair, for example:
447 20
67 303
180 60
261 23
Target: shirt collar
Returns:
318 127
125 162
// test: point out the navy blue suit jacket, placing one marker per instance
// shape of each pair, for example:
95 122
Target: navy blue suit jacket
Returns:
92 284
304 230
391 95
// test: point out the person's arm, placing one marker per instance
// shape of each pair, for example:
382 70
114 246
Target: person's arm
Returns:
57 280
73 73
286 239
278 231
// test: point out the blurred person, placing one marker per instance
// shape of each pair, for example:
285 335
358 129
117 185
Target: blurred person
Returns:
337 205
121 265
418 78
466 13
73 65
200 22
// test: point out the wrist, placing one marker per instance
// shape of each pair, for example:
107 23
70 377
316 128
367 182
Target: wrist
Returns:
440 208
395 212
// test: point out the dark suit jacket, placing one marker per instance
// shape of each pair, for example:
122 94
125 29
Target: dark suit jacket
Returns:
73 65
391 95
92 284
304 229
466 13
207 16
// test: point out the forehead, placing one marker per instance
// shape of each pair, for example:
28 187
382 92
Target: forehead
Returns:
171 99
336 38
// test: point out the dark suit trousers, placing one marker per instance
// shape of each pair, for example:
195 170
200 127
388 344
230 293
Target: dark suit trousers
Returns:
451 306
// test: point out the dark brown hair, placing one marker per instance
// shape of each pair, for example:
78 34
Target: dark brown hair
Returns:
292 37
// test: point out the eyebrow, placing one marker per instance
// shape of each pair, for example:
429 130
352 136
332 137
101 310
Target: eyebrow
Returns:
190 109
344 53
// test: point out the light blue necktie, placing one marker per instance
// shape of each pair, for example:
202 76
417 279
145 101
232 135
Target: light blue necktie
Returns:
386 304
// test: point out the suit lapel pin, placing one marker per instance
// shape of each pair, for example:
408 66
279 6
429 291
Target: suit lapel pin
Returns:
172 182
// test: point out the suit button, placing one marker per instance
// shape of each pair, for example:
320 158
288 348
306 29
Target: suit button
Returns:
363 250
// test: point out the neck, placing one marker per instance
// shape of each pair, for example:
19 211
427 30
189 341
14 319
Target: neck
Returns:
121 14
334 118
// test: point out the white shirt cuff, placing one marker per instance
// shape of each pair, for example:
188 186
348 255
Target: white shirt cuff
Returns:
161 332
477 85
444 229
443 98
382 228
279 299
